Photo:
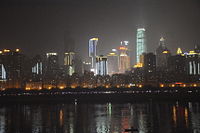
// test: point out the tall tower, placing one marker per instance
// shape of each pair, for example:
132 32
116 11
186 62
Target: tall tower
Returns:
124 59
141 44
162 55
93 52
113 62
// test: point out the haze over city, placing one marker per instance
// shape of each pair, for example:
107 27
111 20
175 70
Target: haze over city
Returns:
40 26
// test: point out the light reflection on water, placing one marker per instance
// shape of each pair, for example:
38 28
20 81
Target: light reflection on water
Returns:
149 117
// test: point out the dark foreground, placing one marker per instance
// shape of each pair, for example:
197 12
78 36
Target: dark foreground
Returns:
107 117
101 94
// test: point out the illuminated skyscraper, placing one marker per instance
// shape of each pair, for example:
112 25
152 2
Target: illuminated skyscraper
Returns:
124 59
93 52
113 60
141 43
69 58
12 67
2 73
101 65
37 68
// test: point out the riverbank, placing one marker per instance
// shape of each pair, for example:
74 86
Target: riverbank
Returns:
101 94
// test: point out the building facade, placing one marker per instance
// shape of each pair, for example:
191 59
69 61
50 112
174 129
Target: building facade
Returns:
113 62
101 65
93 53
140 43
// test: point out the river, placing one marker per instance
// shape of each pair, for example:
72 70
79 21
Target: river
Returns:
91 117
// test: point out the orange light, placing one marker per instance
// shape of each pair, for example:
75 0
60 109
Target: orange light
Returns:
161 85
178 83
122 48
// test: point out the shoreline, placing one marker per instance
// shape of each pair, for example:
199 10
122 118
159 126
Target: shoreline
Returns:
100 95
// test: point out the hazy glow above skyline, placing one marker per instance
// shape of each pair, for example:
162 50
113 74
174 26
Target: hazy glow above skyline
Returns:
39 26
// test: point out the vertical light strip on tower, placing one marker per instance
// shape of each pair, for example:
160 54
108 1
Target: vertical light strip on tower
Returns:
141 43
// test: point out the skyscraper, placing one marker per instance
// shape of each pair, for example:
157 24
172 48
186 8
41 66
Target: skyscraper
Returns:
124 59
93 52
52 65
37 68
113 62
12 67
140 44
69 58
101 65
162 54
149 68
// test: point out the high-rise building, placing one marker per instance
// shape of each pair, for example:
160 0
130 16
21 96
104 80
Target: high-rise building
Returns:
124 59
12 67
113 62
149 68
37 68
101 65
93 52
193 63
69 58
177 68
162 54
2 73
140 44
52 65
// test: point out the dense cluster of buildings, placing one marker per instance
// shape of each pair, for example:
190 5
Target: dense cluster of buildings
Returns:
159 69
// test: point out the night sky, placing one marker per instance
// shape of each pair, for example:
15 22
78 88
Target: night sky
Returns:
38 26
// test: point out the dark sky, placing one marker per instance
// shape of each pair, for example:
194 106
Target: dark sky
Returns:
38 26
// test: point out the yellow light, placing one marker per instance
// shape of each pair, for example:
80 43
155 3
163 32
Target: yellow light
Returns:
94 39
73 86
28 88
138 65
6 50
192 52
17 50
140 86
165 52
194 85
61 87
179 51
184 85
49 87
1 52
173 85
40 88
111 54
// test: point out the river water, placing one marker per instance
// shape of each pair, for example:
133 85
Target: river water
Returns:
147 117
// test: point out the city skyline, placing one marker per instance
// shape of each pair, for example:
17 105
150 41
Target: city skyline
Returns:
44 24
